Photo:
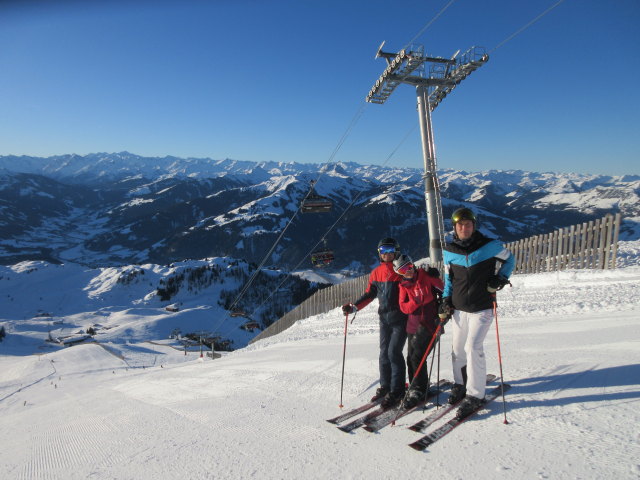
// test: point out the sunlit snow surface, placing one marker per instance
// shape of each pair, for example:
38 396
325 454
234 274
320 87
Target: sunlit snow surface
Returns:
570 344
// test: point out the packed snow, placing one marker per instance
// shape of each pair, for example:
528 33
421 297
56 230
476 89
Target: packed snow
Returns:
570 344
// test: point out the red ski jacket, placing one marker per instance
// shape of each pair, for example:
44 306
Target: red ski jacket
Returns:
383 284
417 299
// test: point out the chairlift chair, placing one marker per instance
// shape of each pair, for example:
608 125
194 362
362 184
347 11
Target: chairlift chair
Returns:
316 204
250 326
322 258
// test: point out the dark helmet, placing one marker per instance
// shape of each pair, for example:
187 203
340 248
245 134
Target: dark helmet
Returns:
463 214
389 242
400 262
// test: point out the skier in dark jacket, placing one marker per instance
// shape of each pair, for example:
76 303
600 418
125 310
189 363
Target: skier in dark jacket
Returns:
419 293
475 268
383 285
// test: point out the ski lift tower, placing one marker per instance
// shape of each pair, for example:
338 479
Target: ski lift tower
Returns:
444 74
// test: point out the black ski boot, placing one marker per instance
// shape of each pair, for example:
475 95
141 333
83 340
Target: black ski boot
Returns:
468 406
392 399
413 398
381 392
458 392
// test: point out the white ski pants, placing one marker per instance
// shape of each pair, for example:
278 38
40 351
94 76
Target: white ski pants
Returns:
468 333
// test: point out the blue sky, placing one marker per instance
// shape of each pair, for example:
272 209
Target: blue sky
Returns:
283 81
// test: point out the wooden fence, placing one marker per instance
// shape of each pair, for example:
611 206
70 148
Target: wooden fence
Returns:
591 245
320 302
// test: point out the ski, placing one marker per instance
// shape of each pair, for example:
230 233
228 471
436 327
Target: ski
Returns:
353 412
433 417
358 422
440 432
368 418
392 414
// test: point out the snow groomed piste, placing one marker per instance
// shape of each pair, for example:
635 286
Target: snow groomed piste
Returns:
571 355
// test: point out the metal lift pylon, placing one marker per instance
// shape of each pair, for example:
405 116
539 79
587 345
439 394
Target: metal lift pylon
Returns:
431 89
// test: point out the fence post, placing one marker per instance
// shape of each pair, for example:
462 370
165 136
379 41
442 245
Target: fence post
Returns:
616 232
542 253
591 227
530 257
522 255
518 252
553 245
570 247
608 246
580 244
601 241
559 253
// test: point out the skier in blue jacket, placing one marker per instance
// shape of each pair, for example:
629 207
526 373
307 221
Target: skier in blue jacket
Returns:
475 267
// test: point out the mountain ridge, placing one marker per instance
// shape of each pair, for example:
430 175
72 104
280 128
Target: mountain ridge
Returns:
112 209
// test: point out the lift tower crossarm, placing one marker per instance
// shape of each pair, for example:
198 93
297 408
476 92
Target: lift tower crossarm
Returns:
401 65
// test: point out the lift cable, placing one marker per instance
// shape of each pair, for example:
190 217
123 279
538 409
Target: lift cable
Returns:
522 29
428 24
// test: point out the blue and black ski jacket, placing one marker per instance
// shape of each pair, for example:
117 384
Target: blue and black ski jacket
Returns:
469 265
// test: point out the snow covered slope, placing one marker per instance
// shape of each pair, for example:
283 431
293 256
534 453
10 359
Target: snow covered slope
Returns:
570 348
138 303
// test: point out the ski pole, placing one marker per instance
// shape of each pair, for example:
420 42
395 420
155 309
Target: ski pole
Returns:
415 375
504 402
433 359
438 295
438 378
344 354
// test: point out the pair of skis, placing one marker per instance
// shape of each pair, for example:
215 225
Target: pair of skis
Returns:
392 414
423 424
380 417
432 437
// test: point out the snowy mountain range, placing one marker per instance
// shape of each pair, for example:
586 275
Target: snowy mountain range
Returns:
106 210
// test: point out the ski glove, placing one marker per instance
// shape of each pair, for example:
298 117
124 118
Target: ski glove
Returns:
348 308
433 272
445 310
497 282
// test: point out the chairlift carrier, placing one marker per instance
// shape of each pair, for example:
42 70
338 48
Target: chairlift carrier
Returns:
315 203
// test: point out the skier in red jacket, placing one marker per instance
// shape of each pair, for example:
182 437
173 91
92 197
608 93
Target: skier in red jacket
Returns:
383 285
419 293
